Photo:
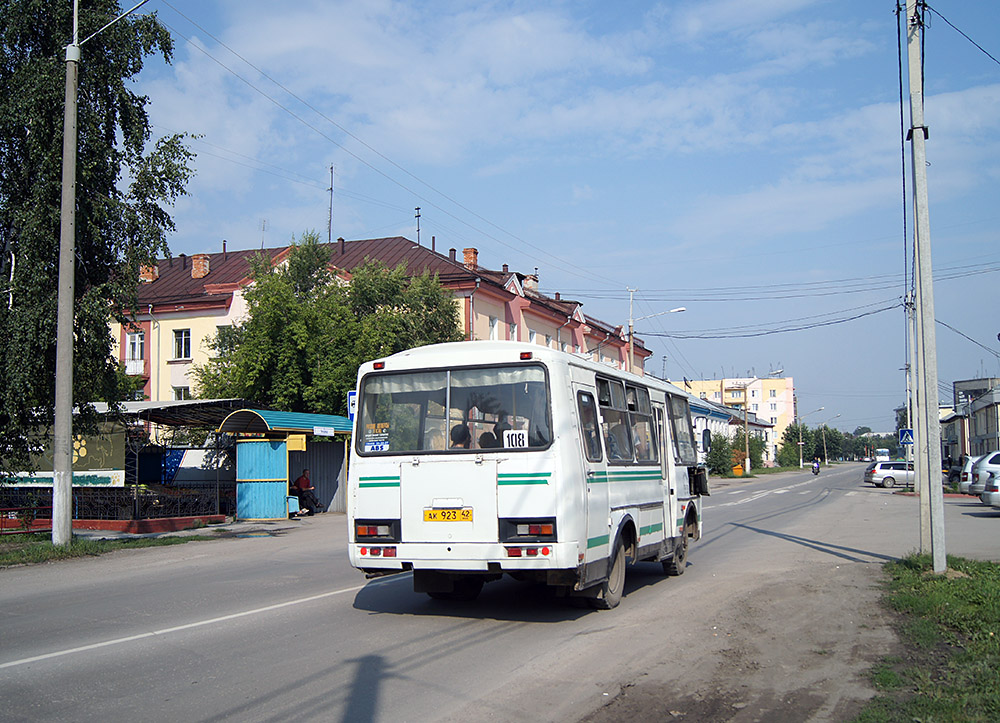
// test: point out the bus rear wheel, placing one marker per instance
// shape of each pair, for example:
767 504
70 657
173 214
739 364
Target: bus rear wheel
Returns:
611 589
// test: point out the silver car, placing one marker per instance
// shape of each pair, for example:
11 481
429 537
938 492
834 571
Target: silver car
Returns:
966 479
889 474
986 468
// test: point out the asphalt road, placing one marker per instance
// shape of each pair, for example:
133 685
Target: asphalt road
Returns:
276 625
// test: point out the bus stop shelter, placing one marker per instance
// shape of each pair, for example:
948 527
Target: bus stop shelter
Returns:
272 448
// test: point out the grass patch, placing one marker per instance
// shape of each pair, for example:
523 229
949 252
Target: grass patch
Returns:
950 626
35 548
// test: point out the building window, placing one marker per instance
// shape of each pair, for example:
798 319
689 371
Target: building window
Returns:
136 346
494 327
774 420
532 336
774 407
753 407
182 343
513 332
703 395
772 393
563 346
548 340
716 395
734 395
181 393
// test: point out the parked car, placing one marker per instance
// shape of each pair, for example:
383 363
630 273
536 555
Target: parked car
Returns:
991 491
986 467
889 474
966 479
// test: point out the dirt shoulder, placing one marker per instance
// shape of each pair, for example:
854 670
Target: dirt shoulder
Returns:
785 649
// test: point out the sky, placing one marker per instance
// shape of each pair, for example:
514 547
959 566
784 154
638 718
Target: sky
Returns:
740 158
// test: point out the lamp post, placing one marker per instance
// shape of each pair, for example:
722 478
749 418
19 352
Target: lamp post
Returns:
746 414
825 458
799 425
631 322
62 442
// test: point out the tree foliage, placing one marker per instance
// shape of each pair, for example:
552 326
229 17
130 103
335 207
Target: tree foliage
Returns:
306 333
720 457
125 186
788 453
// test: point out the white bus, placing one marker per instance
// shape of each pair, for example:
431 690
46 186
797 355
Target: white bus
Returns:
882 454
475 459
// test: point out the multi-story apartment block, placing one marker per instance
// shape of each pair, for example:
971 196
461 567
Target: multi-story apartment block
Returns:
771 399
183 301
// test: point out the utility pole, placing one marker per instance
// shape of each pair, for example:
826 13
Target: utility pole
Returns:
329 217
929 446
62 433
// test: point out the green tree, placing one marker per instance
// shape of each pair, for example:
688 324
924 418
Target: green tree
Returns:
306 333
788 453
720 457
125 185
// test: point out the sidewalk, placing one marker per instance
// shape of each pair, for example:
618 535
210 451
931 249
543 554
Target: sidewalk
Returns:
231 528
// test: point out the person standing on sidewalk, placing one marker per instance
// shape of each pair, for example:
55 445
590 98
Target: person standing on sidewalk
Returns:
303 489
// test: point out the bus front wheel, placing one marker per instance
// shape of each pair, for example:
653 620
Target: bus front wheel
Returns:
612 588
676 564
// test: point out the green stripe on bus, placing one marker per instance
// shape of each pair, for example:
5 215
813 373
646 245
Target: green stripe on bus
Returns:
367 485
650 529
523 478
598 541
389 478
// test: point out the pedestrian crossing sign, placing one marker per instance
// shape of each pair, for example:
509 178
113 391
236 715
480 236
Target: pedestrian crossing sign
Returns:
906 436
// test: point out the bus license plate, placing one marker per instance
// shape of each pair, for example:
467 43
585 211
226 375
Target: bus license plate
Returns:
463 514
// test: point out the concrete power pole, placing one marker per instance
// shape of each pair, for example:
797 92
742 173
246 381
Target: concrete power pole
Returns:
929 442
62 433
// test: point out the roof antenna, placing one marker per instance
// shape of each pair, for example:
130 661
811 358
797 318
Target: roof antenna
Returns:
329 217
263 229
417 209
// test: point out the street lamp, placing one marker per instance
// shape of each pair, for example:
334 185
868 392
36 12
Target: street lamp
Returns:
746 414
825 458
631 322
799 425
62 423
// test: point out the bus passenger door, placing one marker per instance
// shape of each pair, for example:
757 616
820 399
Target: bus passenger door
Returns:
666 471
597 543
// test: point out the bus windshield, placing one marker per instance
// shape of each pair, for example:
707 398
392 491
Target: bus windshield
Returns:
454 411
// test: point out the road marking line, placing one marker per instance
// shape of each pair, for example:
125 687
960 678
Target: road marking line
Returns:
187 626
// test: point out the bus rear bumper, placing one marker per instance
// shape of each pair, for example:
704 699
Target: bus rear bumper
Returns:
466 557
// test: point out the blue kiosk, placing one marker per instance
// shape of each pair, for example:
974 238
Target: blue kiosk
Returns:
268 443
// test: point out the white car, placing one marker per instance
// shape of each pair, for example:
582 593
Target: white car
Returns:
966 479
986 466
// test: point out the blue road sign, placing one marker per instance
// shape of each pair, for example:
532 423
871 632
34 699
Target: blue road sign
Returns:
906 436
352 403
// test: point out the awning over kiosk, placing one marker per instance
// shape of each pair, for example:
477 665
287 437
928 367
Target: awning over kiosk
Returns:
259 420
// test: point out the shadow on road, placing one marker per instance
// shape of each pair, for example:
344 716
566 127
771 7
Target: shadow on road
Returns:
846 553
503 600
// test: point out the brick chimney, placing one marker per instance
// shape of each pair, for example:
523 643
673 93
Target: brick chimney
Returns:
471 258
199 266
531 283
149 273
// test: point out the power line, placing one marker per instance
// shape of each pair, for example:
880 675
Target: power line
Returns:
566 266
981 48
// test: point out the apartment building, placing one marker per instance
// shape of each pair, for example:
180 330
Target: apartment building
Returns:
771 399
184 300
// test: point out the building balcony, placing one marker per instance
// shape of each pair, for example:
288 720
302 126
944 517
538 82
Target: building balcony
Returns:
135 367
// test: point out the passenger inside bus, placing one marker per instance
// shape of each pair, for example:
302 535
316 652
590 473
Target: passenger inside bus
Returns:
461 438
487 440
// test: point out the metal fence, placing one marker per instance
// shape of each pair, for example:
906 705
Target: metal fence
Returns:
126 503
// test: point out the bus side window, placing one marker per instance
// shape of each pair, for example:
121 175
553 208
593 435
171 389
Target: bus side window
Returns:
617 434
588 426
